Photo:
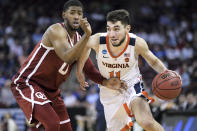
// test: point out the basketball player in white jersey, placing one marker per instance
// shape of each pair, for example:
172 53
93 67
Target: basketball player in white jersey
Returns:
117 56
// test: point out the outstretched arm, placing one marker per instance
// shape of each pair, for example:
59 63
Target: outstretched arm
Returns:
58 37
92 72
93 42
142 49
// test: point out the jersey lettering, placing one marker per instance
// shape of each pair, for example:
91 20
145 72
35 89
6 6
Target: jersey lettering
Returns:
123 65
63 69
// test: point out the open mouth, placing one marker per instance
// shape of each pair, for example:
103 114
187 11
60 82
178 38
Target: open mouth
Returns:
114 40
76 23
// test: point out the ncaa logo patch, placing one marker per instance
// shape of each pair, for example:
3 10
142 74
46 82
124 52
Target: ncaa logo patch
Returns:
104 51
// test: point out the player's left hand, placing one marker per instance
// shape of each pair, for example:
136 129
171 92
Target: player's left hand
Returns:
81 80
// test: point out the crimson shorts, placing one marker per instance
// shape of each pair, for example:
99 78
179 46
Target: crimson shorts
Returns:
28 96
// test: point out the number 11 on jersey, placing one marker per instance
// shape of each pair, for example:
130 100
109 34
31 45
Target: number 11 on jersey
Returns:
114 74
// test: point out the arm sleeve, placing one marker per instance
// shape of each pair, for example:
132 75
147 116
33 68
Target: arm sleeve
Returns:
92 73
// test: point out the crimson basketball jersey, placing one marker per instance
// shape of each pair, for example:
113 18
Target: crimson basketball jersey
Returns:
44 67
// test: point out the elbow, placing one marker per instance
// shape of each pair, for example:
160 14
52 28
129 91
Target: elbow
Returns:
69 60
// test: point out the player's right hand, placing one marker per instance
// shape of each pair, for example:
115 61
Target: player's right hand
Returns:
85 26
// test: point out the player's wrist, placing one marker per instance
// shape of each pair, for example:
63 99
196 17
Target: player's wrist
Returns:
88 34
104 82
164 70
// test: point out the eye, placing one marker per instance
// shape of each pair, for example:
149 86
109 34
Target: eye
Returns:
80 13
108 29
117 29
72 12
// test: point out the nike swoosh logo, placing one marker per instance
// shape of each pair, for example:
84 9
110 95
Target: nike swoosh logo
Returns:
105 57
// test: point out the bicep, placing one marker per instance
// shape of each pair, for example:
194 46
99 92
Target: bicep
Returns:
149 56
143 50
59 41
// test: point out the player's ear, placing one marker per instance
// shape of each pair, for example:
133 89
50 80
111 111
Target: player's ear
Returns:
63 14
128 28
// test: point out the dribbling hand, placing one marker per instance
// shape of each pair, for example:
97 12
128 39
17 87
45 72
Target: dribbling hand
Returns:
85 26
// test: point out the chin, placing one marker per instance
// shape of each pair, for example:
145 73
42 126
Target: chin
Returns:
114 44
75 28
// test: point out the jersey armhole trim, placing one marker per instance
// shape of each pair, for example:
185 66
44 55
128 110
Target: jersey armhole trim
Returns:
48 48
132 41
102 40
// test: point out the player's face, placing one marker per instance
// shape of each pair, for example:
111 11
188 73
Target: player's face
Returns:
117 32
73 15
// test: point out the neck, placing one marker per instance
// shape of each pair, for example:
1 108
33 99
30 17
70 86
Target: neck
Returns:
71 32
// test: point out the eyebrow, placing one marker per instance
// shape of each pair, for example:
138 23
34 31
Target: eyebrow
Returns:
76 10
114 26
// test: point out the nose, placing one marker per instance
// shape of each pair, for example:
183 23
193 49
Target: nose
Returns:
112 33
76 16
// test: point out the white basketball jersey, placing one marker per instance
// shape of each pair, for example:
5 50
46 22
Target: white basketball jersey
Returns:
124 66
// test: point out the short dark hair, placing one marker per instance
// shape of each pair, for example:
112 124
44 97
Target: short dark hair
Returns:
72 3
121 15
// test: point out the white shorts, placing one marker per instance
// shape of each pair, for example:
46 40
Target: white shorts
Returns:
117 105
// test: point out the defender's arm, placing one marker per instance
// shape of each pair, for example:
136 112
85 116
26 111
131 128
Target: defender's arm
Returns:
58 37
92 43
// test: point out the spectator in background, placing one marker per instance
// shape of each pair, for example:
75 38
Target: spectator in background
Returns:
182 102
193 72
70 100
6 97
187 52
37 35
173 53
192 101
185 77
100 118
8 124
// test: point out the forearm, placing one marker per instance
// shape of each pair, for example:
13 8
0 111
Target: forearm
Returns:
74 53
92 73
158 66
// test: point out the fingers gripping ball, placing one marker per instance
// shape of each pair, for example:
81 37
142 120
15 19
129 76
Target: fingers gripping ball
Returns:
167 85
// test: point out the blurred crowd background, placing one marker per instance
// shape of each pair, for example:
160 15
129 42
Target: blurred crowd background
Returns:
168 26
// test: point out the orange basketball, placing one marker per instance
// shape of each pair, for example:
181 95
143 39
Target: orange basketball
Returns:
167 85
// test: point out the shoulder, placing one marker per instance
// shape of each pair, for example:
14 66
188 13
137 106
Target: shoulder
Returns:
94 39
141 45
97 35
140 42
56 29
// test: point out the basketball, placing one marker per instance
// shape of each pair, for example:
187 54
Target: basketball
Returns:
167 85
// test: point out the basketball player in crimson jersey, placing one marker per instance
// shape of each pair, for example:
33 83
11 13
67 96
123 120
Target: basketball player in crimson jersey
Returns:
36 85
117 56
